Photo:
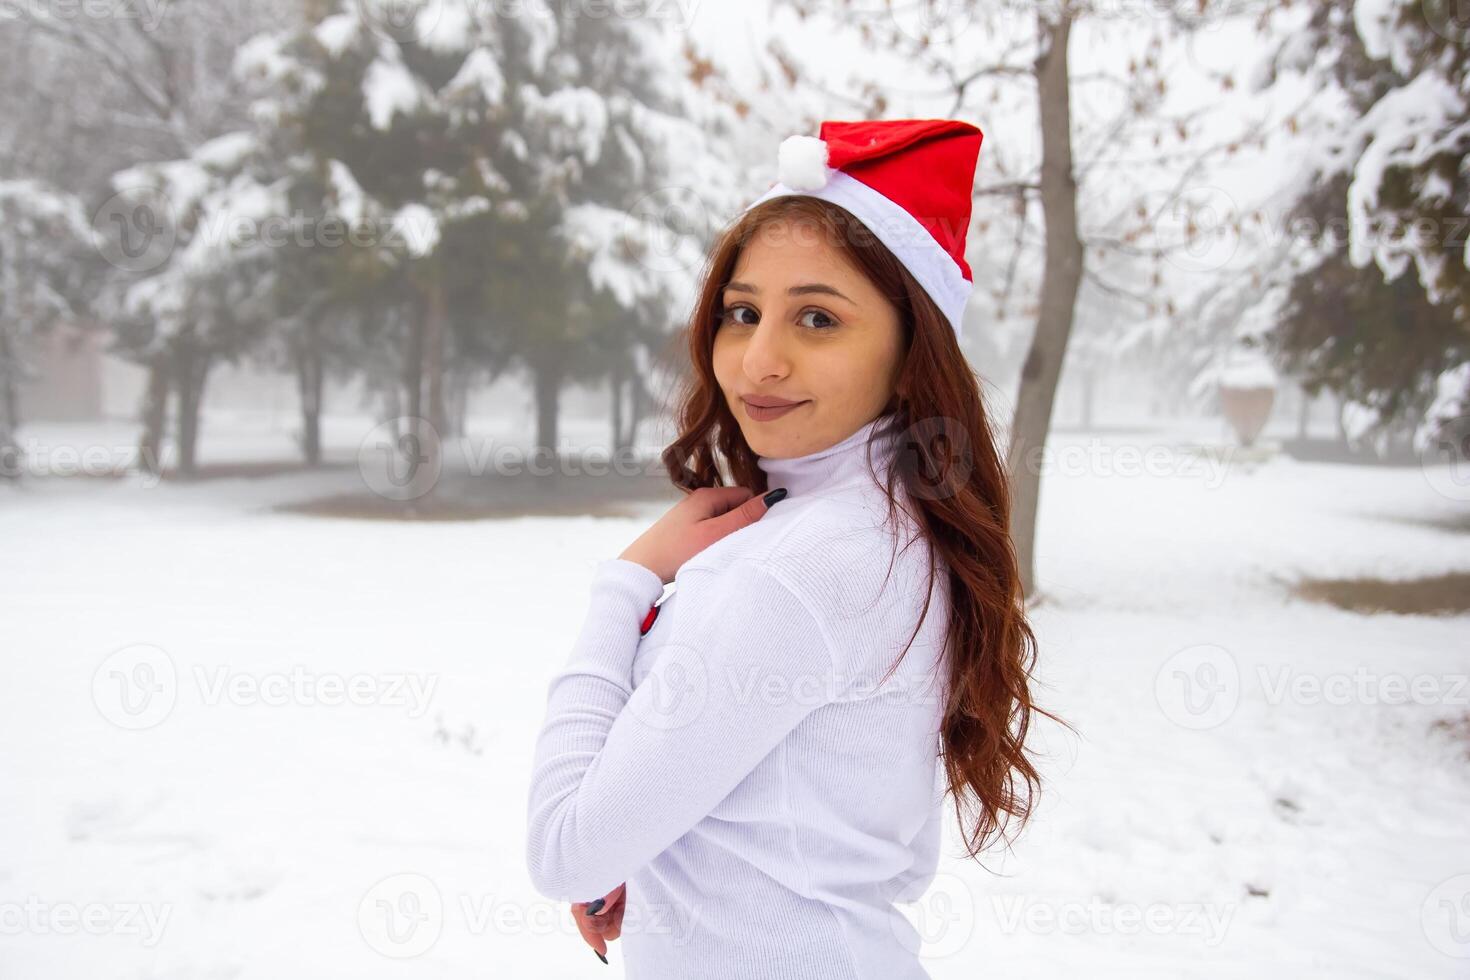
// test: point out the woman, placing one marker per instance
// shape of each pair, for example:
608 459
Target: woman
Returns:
746 776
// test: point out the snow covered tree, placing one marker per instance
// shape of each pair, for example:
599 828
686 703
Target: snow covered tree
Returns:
127 87
193 289
497 166
1388 190
119 85
635 170
1379 344
47 273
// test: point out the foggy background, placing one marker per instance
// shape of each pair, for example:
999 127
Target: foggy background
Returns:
339 341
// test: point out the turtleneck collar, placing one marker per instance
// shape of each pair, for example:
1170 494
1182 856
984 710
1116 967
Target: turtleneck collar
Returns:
839 464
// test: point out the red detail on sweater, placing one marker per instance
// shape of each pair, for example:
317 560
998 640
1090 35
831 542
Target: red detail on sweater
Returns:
648 620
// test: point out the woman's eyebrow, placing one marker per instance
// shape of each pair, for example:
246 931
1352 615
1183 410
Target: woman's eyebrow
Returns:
798 290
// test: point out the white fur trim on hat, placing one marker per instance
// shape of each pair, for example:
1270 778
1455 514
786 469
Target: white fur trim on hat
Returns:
801 163
934 268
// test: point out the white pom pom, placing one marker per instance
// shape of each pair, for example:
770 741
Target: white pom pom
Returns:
802 163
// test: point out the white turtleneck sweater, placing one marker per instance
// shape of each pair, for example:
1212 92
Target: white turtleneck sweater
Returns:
739 766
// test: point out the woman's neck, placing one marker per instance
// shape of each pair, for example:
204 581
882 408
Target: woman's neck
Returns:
837 465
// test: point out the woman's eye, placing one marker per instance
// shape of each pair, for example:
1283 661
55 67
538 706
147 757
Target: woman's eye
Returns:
730 313
819 325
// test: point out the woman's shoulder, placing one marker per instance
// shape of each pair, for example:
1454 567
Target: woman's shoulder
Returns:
843 555
798 531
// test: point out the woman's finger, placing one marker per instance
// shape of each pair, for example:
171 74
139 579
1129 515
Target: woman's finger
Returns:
608 921
615 919
744 513
714 501
611 900
589 932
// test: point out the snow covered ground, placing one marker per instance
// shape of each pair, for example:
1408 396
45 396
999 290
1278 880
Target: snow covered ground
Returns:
245 744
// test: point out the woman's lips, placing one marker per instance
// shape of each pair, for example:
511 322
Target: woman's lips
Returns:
767 414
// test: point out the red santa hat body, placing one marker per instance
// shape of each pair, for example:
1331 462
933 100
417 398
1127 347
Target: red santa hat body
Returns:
908 180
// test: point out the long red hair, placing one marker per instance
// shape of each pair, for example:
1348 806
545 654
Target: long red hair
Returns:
955 477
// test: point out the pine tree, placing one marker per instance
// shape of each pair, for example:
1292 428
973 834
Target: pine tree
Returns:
48 266
1394 178
492 171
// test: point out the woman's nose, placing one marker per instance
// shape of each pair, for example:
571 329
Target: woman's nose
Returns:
766 353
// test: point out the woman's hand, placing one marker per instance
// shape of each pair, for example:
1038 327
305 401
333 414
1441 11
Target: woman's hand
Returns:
606 925
695 523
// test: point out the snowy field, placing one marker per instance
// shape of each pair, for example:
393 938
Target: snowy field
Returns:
253 745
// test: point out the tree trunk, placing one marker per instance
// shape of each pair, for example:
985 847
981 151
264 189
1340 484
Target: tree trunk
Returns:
547 382
1089 392
390 408
434 329
10 462
1061 276
413 366
155 417
456 401
638 401
615 386
309 379
191 368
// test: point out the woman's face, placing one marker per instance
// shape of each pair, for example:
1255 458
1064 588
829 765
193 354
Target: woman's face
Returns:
801 324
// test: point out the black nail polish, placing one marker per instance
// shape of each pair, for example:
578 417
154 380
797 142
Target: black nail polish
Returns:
777 494
601 957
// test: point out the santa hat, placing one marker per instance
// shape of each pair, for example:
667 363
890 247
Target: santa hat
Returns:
908 180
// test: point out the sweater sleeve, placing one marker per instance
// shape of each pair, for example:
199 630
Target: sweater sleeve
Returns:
620 773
